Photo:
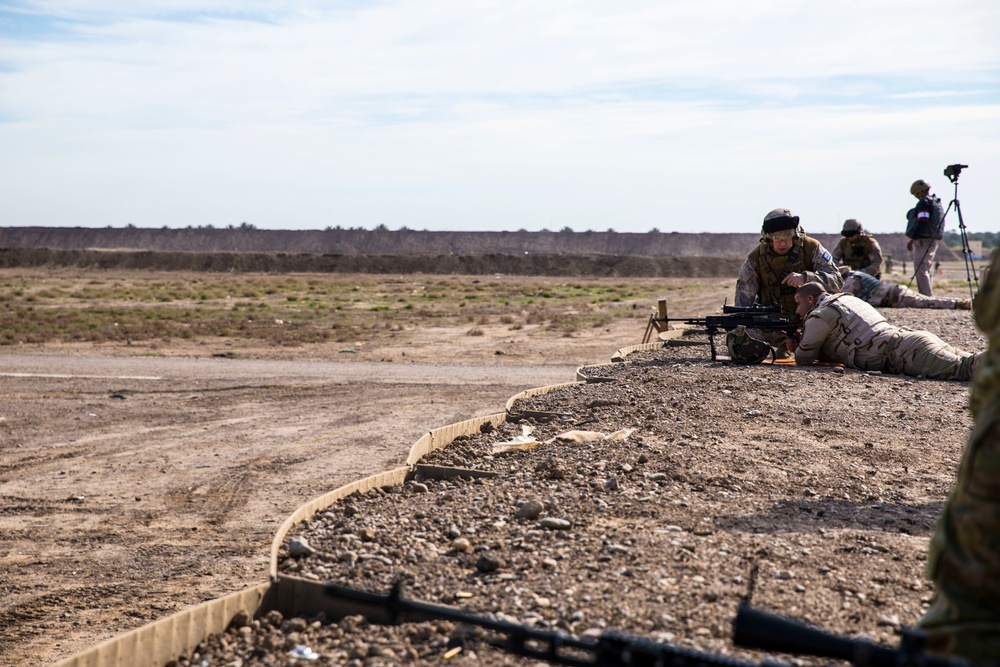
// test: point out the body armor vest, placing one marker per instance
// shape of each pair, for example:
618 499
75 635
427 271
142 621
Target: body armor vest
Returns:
772 268
855 327
857 254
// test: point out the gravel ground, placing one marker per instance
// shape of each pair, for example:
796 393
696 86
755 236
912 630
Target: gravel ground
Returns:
644 505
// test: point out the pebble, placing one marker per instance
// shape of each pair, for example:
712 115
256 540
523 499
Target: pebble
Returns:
555 524
529 509
299 546
487 563
461 544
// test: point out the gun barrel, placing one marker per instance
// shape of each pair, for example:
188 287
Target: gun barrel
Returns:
756 308
753 628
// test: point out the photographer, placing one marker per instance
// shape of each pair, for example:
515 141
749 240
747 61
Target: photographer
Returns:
924 228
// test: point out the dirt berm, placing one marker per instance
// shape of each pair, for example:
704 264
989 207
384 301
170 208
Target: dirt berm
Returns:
261 262
530 253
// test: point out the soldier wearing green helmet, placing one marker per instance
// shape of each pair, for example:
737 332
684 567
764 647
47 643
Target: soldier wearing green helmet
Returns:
858 249
784 259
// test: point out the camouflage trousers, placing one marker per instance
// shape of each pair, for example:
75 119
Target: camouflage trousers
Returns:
923 257
921 353
900 296
964 555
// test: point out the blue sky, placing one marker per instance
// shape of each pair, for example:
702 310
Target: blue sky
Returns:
495 115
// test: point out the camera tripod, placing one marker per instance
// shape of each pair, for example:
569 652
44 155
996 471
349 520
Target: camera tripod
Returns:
952 171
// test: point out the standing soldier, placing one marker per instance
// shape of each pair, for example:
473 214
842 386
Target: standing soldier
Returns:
924 228
964 554
784 260
858 249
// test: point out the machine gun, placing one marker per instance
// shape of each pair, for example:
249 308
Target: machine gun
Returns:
752 629
760 316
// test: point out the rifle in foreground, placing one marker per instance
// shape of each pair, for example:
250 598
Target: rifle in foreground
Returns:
611 649
756 629
760 316
752 629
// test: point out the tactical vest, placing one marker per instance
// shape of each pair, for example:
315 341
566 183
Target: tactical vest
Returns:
930 227
857 254
772 268
855 327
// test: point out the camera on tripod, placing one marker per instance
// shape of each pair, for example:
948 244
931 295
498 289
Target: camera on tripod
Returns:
953 170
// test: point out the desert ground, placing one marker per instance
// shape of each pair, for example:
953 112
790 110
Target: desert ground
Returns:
145 463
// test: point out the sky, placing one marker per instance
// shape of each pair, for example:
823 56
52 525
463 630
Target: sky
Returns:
482 115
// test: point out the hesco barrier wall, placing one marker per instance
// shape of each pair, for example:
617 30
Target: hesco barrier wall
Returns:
156 644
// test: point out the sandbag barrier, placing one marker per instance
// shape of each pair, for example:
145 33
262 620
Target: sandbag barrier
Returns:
159 642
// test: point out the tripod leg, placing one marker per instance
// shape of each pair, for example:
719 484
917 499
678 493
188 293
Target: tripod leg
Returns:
970 267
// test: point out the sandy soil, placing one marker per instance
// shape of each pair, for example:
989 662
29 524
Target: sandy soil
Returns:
133 486
135 483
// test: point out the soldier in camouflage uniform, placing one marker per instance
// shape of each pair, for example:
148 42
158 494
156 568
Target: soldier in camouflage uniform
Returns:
964 555
784 259
845 329
858 249
886 295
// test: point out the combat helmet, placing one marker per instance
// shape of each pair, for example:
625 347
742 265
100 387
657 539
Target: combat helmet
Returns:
919 186
745 349
780 223
851 227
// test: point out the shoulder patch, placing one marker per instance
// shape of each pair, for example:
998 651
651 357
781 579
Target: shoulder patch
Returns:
827 257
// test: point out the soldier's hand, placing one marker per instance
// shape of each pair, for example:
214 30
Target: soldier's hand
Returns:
909 245
794 279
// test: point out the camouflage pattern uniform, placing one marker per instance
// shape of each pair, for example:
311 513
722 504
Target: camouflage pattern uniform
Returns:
760 277
885 295
845 329
964 555
865 254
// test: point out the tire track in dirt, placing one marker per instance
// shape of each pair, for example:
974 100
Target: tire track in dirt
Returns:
185 480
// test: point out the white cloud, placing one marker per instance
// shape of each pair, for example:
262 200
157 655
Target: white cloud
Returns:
495 115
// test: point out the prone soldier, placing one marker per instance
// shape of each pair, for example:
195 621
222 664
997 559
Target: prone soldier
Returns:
886 295
845 329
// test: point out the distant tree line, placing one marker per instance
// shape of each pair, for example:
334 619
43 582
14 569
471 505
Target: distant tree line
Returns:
954 239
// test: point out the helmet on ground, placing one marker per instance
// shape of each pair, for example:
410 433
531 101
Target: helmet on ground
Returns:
744 348
780 223
919 187
851 227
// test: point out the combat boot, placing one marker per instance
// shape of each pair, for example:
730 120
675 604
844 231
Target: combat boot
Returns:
963 304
